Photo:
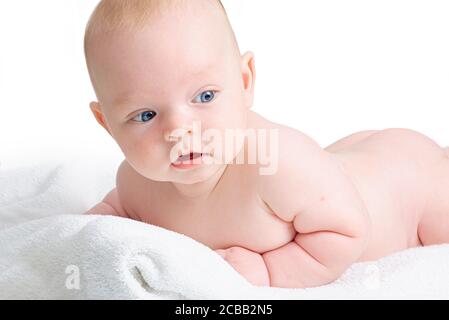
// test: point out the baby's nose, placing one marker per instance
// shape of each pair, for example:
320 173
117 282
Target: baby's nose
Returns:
175 134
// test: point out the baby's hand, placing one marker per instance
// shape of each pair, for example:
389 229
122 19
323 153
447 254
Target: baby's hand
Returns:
248 263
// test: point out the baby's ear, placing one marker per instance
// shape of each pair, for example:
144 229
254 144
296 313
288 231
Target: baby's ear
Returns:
249 77
96 110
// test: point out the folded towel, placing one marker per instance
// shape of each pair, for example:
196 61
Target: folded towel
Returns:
49 250
48 188
105 257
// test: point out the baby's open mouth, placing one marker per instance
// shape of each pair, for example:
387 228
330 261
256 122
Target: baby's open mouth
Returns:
189 157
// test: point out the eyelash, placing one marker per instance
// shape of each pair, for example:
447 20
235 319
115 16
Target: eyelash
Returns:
213 91
142 114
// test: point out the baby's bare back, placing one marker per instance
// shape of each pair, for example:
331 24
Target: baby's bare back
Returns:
395 172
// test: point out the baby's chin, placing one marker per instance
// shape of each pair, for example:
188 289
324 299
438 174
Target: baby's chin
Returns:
169 173
194 175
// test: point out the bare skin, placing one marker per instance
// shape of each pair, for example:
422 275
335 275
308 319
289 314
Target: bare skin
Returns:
394 171
365 196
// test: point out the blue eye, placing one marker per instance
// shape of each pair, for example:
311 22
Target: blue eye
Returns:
205 97
145 116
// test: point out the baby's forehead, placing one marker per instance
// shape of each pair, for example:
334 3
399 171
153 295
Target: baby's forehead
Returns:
191 49
191 46
143 80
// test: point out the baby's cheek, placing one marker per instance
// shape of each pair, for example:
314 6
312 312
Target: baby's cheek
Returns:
141 153
149 153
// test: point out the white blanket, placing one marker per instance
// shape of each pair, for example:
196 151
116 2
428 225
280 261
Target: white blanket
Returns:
48 250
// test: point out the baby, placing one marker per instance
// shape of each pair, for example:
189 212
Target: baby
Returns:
160 67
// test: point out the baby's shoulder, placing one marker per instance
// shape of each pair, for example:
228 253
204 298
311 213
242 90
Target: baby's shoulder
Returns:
299 168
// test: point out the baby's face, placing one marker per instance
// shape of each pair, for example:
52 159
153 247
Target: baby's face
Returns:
154 82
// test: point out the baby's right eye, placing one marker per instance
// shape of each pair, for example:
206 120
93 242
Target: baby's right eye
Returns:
145 116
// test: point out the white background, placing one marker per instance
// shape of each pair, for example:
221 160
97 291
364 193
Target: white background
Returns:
326 68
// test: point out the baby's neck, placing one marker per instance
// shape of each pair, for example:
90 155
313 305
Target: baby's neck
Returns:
200 189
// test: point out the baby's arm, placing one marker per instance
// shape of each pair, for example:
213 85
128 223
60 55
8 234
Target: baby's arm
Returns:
247 263
110 205
312 190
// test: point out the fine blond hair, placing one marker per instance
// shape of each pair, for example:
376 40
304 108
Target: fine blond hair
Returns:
132 15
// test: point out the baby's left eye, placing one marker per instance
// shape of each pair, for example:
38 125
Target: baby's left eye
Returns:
205 97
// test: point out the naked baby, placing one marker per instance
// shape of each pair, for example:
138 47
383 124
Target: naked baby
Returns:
160 66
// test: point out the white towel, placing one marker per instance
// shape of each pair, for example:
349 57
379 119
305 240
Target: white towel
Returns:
48 250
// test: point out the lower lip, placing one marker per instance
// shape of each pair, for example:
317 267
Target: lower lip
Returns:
190 164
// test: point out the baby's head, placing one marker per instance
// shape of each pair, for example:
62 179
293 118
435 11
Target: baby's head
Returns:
157 66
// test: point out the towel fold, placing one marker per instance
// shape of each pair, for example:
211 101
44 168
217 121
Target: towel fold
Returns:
105 257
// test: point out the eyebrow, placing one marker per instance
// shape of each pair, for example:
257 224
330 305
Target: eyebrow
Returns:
127 98
122 100
201 70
